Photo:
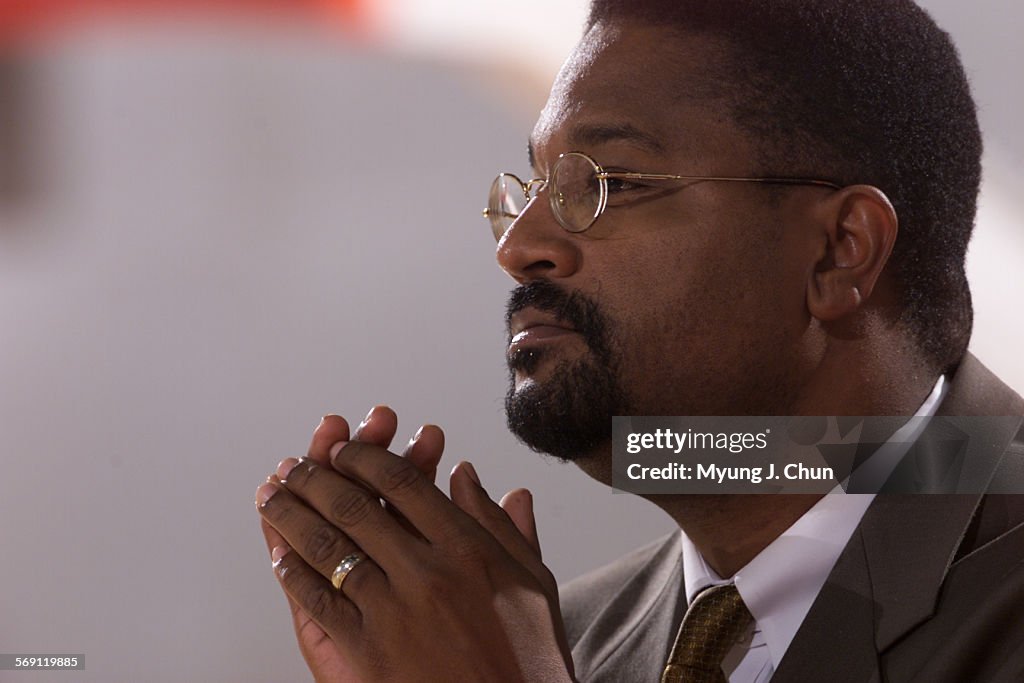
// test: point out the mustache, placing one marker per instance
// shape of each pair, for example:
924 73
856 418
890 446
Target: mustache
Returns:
574 309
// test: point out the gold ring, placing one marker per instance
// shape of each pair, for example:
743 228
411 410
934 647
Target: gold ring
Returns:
344 567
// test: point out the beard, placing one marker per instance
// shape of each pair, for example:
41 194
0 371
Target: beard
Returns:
570 414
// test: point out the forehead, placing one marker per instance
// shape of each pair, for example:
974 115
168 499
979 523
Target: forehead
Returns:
645 86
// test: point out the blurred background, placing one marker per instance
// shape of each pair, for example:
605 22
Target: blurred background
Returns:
219 222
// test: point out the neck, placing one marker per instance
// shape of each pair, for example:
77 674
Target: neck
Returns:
730 530
850 376
849 379
863 365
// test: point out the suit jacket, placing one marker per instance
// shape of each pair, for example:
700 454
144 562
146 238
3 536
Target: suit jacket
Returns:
930 587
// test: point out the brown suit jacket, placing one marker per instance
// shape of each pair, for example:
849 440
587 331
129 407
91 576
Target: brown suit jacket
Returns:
930 588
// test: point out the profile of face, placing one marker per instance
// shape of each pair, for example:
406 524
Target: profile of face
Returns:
687 300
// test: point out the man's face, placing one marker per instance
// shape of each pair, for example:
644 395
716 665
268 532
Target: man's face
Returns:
683 301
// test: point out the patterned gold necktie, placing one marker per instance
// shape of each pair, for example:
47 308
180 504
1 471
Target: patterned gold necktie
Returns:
712 625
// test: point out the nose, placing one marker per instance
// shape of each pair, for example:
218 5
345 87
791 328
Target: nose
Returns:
536 246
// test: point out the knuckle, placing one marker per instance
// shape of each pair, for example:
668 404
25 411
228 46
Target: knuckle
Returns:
465 550
400 476
353 452
376 660
300 474
356 579
277 509
318 603
494 516
351 508
440 587
322 545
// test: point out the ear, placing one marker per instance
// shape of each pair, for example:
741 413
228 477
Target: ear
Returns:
860 226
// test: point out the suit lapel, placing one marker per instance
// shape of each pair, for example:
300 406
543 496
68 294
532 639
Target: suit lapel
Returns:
888 578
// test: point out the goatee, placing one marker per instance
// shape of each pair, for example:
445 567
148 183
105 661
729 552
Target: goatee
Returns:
569 414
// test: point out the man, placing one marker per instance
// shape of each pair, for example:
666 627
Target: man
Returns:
745 208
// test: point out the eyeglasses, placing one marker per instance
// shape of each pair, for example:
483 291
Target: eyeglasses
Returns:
579 191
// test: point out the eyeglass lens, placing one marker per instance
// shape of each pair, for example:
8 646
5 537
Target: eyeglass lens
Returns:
576 196
507 200
577 193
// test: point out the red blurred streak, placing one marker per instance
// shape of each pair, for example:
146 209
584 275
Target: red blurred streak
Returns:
27 19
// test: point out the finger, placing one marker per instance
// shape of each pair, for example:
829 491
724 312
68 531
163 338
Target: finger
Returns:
471 497
311 491
518 505
401 484
307 631
320 544
466 491
331 430
425 450
378 427
330 609
315 644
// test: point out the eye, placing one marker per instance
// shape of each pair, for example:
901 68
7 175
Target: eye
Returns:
618 185
629 189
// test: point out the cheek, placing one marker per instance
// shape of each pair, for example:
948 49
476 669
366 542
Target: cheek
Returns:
663 304
670 286
695 325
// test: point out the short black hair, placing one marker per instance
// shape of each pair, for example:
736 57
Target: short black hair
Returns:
858 91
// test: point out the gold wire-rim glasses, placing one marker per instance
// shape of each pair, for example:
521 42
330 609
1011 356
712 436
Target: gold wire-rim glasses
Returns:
501 218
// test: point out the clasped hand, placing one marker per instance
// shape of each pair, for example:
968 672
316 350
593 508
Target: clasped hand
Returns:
446 590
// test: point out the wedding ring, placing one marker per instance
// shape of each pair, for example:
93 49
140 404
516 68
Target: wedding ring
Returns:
344 567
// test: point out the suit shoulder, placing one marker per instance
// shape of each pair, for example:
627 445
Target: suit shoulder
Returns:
585 597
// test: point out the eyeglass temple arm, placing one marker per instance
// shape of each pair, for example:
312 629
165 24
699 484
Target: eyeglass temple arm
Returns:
503 214
626 175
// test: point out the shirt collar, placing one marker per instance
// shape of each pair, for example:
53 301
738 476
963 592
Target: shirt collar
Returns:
781 583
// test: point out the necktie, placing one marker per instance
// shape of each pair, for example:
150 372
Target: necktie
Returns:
712 625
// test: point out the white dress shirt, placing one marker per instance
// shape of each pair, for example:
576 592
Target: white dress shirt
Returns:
780 584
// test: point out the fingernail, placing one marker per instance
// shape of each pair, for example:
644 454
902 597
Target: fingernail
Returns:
320 423
264 493
471 471
285 467
279 552
336 448
416 436
277 555
366 419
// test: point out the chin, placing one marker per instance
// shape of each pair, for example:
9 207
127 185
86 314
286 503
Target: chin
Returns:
597 463
565 411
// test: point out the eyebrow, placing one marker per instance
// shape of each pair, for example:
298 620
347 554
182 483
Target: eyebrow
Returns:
587 135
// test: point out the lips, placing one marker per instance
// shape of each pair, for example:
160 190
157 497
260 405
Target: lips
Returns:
540 332
529 329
